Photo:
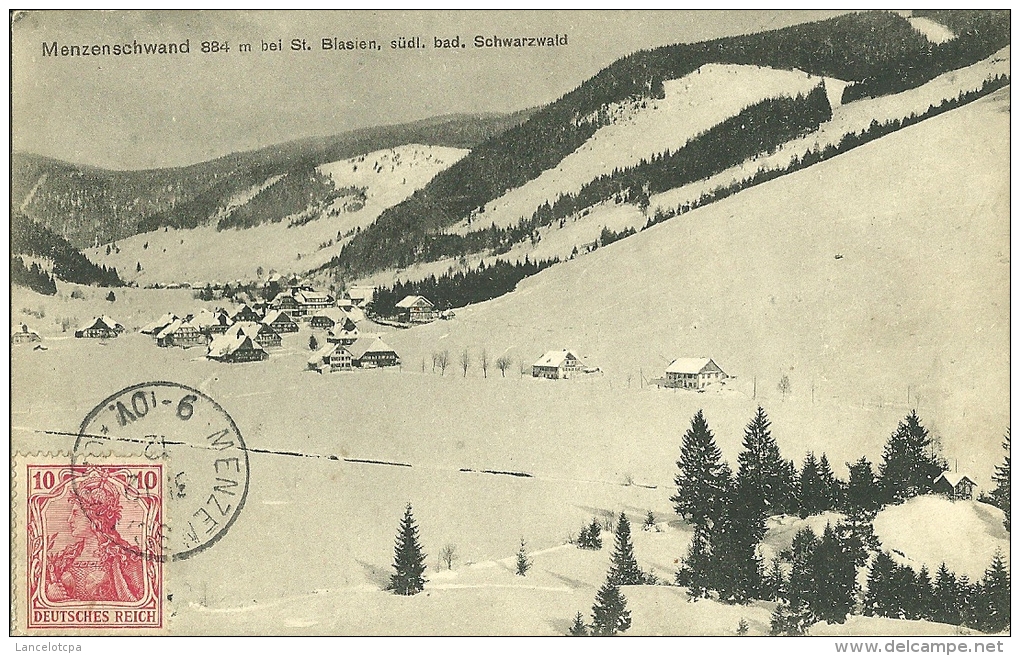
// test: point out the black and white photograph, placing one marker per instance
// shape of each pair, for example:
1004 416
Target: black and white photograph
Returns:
562 323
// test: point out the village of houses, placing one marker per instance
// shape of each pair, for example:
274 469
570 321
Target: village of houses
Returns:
249 332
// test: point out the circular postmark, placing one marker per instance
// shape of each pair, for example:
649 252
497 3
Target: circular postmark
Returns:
205 460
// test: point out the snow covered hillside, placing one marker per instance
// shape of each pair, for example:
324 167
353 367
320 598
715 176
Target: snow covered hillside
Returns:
642 128
375 181
831 276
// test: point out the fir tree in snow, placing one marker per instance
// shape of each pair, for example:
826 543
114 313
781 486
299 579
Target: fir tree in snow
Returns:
833 568
312 343
832 488
742 627
1000 495
624 569
925 595
764 480
992 603
590 536
774 581
790 618
909 464
523 562
408 558
649 524
811 494
948 597
609 614
736 569
862 496
578 628
696 570
704 479
877 600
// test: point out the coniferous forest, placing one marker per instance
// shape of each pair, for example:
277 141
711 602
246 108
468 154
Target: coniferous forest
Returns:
69 264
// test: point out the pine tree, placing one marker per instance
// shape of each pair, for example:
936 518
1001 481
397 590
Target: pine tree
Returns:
909 466
832 489
993 597
312 343
590 536
833 576
764 480
609 614
704 479
742 627
1000 495
578 628
624 569
812 496
946 597
925 595
696 570
791 618
736 568
408 558
880 582
523 562
774 582
862 495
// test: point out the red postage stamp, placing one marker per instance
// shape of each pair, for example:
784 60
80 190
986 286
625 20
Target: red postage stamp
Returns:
95 546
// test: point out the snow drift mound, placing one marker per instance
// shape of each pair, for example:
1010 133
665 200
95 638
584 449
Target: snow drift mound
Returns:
929 530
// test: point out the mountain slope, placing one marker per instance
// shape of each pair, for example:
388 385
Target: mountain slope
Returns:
920 220
878 52
89 206
66 262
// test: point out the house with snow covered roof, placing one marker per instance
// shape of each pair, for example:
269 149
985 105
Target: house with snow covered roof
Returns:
23 335
954 485
557 364
154 327
235 348
263 335
332 357
311 300
289 304
245 313
182 333
280 321
101 328
345 333
693 373
416 309
326 318
368 352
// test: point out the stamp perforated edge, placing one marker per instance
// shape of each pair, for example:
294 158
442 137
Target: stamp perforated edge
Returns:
19 463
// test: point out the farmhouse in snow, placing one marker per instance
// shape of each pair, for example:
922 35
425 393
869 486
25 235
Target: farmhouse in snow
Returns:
368 352
101 328
280 321
24 336
184 334
235 348
155 327
326 318
345 333
245 313
416 309
311 300
693 373
263 335
332 357
557 364
287 303
954 486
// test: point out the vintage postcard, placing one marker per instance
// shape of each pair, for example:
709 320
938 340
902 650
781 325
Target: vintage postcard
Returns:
511 323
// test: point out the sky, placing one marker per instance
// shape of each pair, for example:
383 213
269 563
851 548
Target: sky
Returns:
145 111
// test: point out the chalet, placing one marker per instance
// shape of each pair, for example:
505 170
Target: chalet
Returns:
24 336
154 327
221 324
954 486
101 328
327 318
235 348
369 352
280 321
311 300
287 303
557 364
263 335
245 313
361 295
345 333
693 373
332 357
416 309
184 334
